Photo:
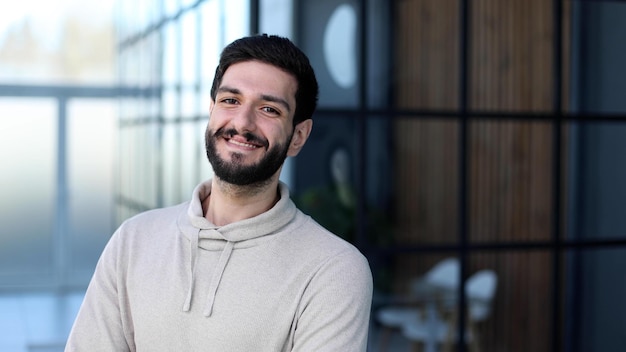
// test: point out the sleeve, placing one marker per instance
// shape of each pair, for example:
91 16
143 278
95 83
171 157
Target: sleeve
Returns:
99 325
336 307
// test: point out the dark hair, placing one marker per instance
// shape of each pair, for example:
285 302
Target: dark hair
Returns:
279 52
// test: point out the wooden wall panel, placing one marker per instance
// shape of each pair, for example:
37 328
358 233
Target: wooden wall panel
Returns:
510 180
427 54
509 162
426 214
511 46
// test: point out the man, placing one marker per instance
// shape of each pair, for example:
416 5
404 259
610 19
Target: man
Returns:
238 267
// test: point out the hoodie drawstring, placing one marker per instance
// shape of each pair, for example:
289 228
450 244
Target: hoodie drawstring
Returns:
193 249
217 277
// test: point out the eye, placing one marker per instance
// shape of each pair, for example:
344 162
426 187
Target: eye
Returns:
229 101
270 110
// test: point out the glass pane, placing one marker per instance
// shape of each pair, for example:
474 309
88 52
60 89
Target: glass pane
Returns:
379 60
212 40
596 313
128 65
510 173
236 24
511 55
508 301
152 59
171 54
28 130
395 274
126 109
276 16
91 139
426 179
144 65
171 7
325 174
408 289
123 22
143 166
206 171
152 108
517 315
205 99
138 166
189 46
171 164
124 160
52 42
151 165
329 36
187 3
192 147
599 77
171 103
189 103
597 189
141 14
426 69
380 212
155 10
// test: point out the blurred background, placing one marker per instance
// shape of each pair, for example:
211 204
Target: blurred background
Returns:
489 134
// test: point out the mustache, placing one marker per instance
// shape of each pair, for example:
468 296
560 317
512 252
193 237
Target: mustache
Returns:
250 137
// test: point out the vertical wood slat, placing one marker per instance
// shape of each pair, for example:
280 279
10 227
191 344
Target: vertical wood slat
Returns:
511 53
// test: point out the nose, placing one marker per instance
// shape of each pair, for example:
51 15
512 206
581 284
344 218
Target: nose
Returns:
243 119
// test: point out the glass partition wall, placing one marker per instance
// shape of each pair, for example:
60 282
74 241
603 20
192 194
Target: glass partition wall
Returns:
172 50
488 131
58 128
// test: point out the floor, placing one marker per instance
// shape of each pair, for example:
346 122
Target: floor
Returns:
38 321
41 321
395 343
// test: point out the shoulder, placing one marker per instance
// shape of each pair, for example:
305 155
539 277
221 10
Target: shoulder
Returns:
331 252
312 231
154 217
152 223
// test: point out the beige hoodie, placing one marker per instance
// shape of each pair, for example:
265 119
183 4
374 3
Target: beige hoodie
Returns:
169 280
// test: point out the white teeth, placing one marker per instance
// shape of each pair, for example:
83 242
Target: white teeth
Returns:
242 144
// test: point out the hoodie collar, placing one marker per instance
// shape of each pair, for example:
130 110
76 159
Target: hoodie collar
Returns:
202 234
258 226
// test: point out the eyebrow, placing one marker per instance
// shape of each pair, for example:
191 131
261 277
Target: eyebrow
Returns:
267 97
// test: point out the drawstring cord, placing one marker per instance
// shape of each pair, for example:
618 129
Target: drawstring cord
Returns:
217 277
193 249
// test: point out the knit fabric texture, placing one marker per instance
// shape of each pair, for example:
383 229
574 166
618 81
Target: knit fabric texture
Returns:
170 280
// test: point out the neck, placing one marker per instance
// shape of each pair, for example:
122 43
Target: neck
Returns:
229 203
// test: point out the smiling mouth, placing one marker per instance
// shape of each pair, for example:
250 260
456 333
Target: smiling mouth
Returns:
242 144
245 140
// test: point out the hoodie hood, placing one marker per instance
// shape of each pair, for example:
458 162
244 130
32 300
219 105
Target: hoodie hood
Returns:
202 234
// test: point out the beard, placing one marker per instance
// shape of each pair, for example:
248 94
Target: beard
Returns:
235 171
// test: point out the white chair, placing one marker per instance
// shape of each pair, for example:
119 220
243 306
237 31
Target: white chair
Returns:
442 277
441 280
480 290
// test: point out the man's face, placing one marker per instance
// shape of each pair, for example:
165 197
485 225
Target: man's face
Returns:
250 129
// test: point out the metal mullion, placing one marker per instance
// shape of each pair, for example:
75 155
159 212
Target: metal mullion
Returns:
361 131
557 9
484 115
464 37
59 237
198 88
159 118
254 6
180 87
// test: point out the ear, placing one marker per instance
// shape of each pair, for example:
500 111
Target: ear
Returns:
300 134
